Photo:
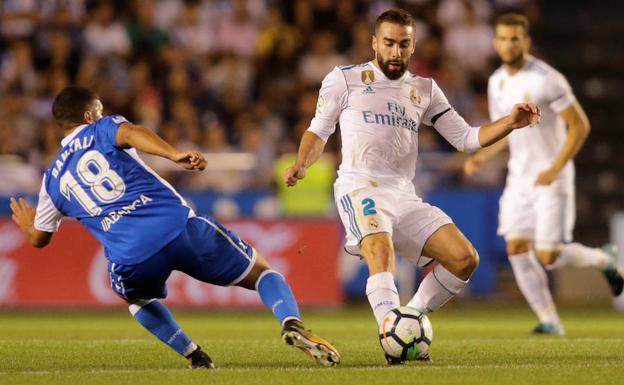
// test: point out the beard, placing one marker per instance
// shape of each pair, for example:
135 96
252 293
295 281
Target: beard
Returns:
515 61
392 73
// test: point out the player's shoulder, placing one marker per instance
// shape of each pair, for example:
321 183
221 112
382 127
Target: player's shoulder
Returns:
355 72
353 67
112 120
541 68
417 80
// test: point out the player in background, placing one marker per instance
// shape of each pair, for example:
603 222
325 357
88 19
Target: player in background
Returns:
537 207
146 227
380 106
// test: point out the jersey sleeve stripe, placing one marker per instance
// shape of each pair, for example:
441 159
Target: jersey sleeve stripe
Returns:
439 115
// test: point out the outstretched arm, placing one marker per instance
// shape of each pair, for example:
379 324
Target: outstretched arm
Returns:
24 217
578 130
522 115
145 140
310 149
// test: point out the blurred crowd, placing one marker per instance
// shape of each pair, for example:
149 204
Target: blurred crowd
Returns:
224 76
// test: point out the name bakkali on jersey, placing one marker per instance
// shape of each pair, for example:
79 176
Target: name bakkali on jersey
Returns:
112 192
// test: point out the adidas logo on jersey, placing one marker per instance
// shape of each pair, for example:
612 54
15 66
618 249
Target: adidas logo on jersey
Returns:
368 90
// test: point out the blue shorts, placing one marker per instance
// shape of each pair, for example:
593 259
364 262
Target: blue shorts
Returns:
205 250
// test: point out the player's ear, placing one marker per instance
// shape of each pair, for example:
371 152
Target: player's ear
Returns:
374 43
88 117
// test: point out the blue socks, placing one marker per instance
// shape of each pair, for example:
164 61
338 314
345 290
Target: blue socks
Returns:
156 318
277 296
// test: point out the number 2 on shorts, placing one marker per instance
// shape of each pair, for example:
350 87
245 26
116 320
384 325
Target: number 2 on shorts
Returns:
369 206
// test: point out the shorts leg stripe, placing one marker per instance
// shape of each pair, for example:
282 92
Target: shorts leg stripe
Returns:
351 214
244 274
350 204
346 209
226 237
563 218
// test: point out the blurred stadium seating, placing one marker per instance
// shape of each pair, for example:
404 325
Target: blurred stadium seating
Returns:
239 79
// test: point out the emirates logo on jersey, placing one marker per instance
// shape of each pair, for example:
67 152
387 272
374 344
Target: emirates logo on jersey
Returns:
368 77
414 97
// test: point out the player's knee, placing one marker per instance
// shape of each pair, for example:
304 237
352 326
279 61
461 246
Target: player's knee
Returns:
547 257
134 305
466 260
515 247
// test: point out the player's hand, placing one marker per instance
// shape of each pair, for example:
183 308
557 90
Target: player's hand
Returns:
190 160
525 114
545 178
293 174
23 214
472 165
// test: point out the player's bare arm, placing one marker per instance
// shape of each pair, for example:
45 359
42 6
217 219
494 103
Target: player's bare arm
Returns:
473 163
310 150
578 130
522 115
24 217
145 140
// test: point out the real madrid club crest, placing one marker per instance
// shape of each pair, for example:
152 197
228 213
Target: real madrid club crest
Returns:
320 104
527 97
414 97
368 77
372 223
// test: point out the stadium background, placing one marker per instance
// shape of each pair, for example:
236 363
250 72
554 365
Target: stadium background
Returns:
239 80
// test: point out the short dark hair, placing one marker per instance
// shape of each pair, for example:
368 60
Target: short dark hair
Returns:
397 16
71 103
513 19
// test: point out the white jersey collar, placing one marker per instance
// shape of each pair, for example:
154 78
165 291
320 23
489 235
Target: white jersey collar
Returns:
383 75
529 60
73 134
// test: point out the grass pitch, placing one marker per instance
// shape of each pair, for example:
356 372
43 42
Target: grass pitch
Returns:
471 345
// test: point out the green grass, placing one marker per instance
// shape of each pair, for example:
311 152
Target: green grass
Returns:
471 345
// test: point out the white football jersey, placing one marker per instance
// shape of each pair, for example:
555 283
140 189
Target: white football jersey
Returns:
533 149
379 120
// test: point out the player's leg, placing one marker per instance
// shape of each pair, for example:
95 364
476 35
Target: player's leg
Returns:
533 283
277 295
517 221
556 229
220 257
140 286
366 214
381 291
273 289
457 261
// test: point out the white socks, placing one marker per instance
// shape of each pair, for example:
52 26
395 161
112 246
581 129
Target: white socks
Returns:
436 289
533 283
577 255
382 294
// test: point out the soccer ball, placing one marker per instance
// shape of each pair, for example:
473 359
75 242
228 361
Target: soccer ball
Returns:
405 333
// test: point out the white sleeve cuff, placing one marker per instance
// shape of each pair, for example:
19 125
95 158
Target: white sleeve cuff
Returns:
472 140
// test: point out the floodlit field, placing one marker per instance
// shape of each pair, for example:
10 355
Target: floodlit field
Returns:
483 345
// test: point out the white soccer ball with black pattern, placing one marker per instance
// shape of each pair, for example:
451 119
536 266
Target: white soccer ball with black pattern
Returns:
405 333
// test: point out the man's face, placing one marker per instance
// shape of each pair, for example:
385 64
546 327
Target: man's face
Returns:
512 43
94 112
394 45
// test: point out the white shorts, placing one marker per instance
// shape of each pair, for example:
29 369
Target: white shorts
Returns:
399 212
543 214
